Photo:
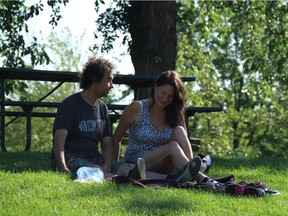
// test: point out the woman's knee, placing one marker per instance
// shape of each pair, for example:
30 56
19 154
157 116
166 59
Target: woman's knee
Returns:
173 146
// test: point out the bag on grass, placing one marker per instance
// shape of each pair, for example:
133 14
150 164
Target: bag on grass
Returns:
89 174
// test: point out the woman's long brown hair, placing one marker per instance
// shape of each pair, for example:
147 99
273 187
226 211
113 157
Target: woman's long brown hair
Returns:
175 112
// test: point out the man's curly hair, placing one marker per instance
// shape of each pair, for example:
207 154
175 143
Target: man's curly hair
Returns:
94 70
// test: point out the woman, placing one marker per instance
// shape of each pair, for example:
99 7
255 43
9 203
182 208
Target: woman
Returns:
157 131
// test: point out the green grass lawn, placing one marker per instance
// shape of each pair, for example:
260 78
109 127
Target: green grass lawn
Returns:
28 187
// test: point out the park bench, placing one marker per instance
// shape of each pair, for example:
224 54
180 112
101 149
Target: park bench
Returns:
134 81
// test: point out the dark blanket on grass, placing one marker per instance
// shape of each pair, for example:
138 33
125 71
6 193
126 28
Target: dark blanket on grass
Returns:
225 185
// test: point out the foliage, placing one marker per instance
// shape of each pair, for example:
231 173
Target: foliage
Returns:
111 24
238 52
13 27
14 47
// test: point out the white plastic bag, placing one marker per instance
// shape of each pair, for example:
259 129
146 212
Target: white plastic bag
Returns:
89 174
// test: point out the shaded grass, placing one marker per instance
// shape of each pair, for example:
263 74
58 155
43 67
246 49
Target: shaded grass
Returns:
28 187
23 161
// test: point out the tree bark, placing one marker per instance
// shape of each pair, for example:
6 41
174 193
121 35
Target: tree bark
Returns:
153 32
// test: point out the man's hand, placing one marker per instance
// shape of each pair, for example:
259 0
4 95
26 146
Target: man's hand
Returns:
106 167
65 170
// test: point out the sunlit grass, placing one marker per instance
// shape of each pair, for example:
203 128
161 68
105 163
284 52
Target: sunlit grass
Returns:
28 187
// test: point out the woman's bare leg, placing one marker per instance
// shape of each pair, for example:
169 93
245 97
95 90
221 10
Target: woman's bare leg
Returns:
155 175
180 135
155 159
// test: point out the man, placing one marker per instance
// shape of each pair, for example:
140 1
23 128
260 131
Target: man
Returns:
82 122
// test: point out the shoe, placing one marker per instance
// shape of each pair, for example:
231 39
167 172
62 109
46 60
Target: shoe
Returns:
139 171
189 171
240 190
261 185
205 185
141 168
203 167
207 179
206 163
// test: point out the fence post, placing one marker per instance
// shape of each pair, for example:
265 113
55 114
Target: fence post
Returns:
28 113
3 146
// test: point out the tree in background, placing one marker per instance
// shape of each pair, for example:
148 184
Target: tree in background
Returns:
149 28
238 52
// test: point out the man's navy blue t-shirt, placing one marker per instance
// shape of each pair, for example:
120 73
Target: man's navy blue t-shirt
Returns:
86 125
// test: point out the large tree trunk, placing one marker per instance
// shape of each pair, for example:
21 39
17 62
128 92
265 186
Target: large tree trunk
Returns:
153 31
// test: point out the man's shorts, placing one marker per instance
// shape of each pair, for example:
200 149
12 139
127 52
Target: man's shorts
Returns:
75 161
